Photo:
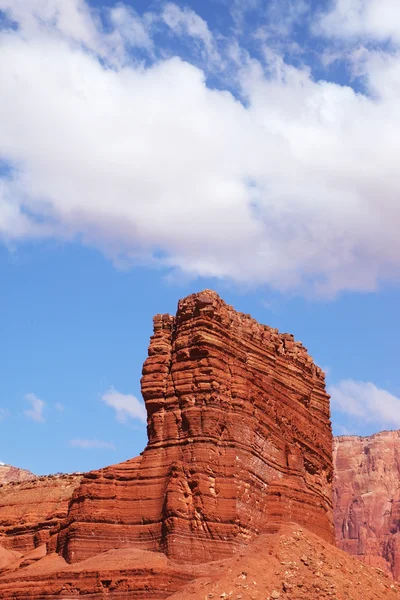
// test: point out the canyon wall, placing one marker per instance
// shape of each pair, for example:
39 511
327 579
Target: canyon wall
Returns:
367 498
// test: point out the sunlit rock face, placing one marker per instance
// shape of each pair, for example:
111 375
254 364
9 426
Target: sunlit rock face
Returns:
31 511
10 474
239 441
367 498
239 445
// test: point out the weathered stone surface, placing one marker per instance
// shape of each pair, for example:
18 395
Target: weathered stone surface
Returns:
9 474
32 510
291 564
239 440
239 443
367 498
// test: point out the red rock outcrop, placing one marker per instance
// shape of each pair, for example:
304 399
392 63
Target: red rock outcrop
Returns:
32 510
291 564
367 498
239 443
9 474
239 440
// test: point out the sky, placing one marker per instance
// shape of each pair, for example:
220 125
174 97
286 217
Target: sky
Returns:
149 150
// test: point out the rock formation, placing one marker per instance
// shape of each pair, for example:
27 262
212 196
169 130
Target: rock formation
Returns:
239 443
367 498
9 474
239 439
32 510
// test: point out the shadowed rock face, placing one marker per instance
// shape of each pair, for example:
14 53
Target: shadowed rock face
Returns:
239 440
367 498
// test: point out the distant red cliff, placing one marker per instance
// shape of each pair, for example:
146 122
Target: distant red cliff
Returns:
367 498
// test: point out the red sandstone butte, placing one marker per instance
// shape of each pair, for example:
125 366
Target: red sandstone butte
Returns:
239 443
239 439
367 498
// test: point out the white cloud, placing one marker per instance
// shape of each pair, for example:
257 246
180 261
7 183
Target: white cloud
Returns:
59 407
186 22
37 406
297 189
91 444
2 464
374 19
367 402
133 30
125 405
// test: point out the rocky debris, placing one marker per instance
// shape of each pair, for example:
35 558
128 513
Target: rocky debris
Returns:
30 511
272 568
9 474
367 498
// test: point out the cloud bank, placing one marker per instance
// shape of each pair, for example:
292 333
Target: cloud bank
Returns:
367 402
270 176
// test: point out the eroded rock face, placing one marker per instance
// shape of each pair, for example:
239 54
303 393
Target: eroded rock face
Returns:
239 443
31 511
9 474
239 440
367 498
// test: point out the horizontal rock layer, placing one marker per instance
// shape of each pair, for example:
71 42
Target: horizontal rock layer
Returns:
239 440
32 510
239 443
367 498
291 564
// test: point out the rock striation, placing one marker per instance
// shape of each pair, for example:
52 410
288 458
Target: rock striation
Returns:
239 439
31 511
367 498
239 443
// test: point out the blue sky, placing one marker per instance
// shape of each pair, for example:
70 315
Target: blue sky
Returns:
152 149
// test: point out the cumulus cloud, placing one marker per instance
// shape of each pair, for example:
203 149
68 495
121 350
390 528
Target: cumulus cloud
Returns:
91 444
297 187
125 405
367 402
37 407
372 19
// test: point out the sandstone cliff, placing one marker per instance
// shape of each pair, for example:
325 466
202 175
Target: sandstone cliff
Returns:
32 510
367 498
239 440
239 443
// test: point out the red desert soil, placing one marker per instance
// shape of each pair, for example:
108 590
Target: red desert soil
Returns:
292 564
